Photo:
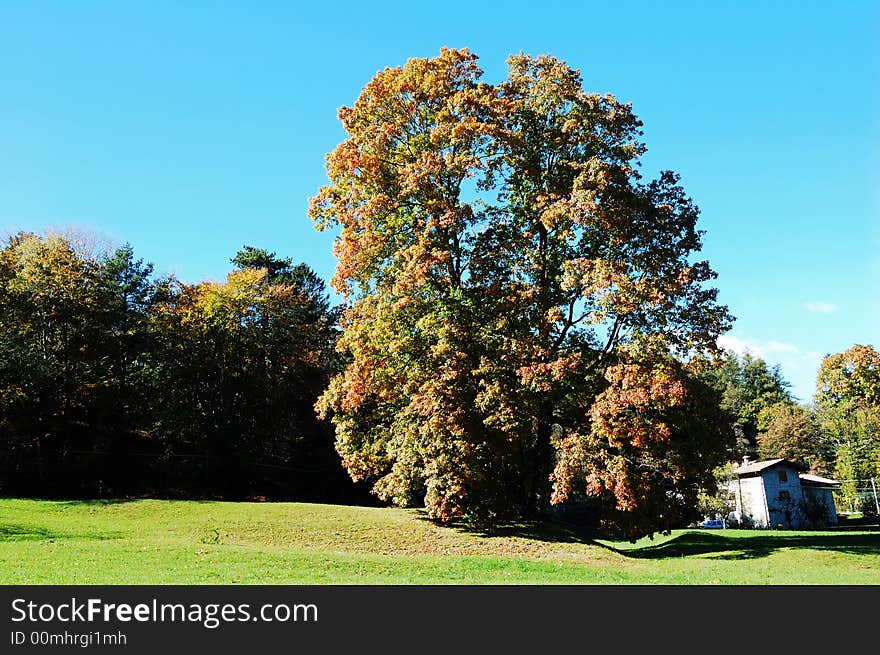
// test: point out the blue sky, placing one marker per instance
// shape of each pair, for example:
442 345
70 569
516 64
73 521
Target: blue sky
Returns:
192 128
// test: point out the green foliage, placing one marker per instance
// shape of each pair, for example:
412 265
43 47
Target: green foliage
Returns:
316 306
791 432
852 376
868 506
848 410
54 328
237 369
846 469
104 367
851 435
748 386
713 500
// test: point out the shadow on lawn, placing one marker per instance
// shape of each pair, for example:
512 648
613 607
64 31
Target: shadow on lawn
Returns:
25 532
19 532
691 543
95 502
751 547
547 530
538 530
74 502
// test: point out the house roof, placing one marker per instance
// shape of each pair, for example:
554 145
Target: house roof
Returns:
817 480
806 478
756 467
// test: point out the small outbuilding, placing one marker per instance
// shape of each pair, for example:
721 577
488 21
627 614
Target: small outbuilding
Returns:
772 494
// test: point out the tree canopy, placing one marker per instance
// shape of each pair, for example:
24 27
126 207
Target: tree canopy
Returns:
748 387
520 301
790 431
852 376
848 406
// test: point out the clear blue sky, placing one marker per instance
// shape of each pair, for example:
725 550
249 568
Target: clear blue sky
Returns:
192 128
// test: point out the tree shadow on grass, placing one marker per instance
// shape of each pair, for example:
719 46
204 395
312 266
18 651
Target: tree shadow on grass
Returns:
19 532
76 502
687 544
26 532
752 547
95 502
537 530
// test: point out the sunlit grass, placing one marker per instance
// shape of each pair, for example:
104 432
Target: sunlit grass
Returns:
167 542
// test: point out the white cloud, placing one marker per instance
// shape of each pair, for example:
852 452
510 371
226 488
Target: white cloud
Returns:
737 345
778 347
757 348
818 307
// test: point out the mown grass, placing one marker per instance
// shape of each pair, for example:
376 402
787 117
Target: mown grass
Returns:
176 542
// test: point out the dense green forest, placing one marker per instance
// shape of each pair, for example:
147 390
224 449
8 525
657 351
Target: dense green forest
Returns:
114 381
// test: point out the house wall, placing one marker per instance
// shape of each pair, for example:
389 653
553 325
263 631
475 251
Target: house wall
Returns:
749 494
783 510
761 500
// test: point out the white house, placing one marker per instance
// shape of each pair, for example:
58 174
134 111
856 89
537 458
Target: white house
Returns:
771 493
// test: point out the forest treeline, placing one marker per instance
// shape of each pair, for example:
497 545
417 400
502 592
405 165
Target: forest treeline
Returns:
115 381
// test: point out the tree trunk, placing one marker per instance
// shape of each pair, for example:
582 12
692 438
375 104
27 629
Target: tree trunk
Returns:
539 487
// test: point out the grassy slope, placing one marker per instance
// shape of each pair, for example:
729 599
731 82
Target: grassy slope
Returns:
164 542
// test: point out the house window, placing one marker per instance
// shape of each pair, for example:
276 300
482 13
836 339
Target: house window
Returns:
784 495
783 476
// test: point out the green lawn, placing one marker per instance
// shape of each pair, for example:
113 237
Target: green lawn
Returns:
165 542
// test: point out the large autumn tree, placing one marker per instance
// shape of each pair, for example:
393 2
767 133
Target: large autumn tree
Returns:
519 301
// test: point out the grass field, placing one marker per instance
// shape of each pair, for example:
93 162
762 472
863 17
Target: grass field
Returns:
166 542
